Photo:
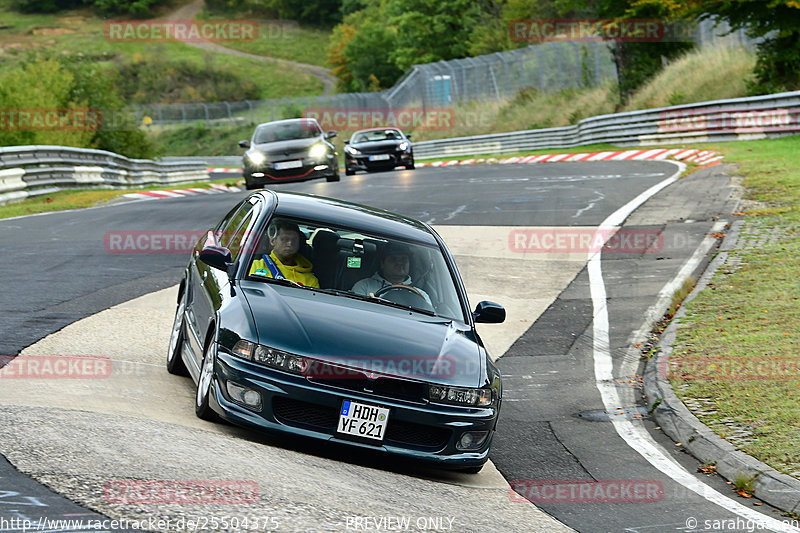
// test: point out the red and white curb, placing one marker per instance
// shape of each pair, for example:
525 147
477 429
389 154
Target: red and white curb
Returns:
223 170
700 157
175 193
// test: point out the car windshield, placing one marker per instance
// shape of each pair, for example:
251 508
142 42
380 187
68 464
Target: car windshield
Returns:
354 263
287 130
376 135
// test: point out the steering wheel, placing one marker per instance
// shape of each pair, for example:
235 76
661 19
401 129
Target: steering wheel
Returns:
404 295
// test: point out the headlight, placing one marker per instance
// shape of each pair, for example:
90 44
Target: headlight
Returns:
461 396
255 158
352 151
277 359
403 146
317 151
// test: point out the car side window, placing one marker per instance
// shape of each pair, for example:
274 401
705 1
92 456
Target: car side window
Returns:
243 222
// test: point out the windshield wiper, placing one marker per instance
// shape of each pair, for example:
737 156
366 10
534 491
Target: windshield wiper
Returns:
282 281
376 299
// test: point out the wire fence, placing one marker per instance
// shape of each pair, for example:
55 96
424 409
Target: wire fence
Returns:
547 67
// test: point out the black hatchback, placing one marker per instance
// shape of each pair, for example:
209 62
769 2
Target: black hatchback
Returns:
289 150
338 355
378 149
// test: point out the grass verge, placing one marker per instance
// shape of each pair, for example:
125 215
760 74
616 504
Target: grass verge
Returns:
82 198
739 338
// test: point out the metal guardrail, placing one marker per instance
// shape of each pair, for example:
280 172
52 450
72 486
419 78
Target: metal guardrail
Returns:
34 170
750 118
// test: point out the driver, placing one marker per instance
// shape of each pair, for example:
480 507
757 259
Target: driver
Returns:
395 263
285 261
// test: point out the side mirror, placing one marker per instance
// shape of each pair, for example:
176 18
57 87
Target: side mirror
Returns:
489 313
331 134
347 141
408 136
244 144
217 257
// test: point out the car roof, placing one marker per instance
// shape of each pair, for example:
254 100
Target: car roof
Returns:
379 129
310 119
351 215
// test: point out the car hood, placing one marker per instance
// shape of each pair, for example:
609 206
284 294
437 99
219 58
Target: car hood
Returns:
365 335
292 145
376 146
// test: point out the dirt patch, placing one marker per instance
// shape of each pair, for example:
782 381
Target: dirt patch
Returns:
51 31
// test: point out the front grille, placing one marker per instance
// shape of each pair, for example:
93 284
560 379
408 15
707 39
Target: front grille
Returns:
304 414
318 418
356 380
416 435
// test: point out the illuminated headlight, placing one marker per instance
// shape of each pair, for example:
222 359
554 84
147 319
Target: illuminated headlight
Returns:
461 396
403 146
318 151
255 158
352 151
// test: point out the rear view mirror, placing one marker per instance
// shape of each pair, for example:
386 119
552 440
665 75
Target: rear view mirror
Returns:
331 134
244 144
487 312
217 257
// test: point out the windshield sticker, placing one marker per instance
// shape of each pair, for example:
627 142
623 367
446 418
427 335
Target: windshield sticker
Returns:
353 262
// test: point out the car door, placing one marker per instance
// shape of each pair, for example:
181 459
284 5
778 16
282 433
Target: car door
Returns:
206 283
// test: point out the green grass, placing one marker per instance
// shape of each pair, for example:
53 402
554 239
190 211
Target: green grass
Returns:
82 198
76 33
749 315
285 40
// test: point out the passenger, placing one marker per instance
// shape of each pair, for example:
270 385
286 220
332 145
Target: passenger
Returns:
285 261
395 264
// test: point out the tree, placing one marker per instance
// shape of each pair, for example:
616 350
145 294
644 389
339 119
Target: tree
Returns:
777 22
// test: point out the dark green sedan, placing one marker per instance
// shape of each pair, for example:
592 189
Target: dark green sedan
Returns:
337 321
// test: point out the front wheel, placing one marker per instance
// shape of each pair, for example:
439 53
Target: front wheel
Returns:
471 469
334 177
175 364
201 407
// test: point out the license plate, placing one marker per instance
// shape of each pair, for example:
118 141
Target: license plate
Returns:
283 165
361 420
381 157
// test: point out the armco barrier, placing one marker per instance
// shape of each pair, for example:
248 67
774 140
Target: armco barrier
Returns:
33 170
756 117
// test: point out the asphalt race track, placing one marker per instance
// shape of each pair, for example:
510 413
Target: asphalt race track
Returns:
554 431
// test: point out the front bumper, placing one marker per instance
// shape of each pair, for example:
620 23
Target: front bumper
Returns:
362 161
292 404
311 169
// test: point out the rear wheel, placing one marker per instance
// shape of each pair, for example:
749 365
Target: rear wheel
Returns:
175 364
201 407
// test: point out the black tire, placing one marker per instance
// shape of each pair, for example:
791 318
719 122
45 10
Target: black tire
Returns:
201 407
250 186
410 167
334 177
175 364
471 469
348 172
